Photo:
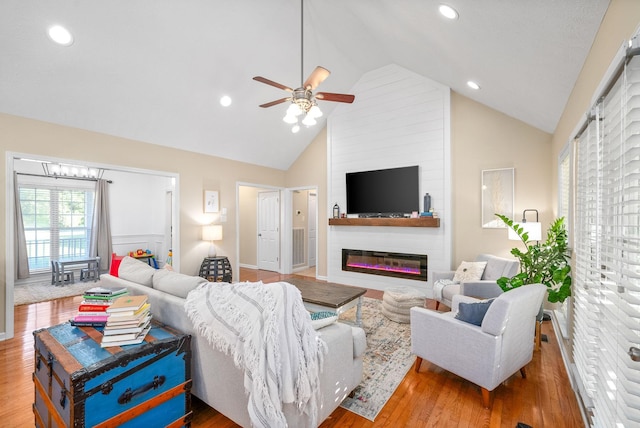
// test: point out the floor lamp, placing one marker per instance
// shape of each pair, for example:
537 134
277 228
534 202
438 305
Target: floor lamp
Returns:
532 228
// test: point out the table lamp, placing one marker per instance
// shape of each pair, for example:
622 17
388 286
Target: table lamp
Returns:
211 233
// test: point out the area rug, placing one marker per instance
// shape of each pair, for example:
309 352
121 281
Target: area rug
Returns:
24 294
387 360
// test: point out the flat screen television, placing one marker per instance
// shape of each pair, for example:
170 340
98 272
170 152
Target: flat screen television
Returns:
383 192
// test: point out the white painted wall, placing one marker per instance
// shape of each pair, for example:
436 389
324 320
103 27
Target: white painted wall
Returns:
399 119
138 212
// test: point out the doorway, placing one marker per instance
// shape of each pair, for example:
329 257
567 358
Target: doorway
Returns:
269 230
249 229
304 233
162 193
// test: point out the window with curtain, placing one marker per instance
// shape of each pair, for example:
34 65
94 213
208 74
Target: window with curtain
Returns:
607 250
57 222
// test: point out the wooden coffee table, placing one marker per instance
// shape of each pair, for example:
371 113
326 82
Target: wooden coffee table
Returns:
327 296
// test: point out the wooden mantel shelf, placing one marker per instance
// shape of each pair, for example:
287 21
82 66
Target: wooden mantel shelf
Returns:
378 221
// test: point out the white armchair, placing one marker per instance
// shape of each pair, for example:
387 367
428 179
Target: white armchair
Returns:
488 354
485 288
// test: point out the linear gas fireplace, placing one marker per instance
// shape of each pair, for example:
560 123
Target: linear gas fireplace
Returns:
399 265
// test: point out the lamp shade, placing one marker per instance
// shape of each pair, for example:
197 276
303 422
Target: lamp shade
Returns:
212 232
534 229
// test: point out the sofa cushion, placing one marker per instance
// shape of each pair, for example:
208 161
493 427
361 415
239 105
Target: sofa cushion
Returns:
136 271
469 271
175 283
473 313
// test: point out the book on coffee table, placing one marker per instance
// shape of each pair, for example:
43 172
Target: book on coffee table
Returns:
127 305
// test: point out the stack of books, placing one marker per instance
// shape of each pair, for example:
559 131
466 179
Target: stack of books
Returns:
92 312
128 321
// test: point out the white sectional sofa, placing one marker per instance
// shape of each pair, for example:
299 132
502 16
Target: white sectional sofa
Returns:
216 380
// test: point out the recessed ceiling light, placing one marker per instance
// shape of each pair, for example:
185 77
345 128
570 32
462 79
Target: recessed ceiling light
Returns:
448 12
225 101
60 35
473 85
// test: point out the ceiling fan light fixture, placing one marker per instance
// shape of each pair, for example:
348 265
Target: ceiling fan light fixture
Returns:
295 128
315 111
302 98
294 110
309 120
289 118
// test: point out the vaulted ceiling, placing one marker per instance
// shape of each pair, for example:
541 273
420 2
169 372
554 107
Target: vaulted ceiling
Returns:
154 71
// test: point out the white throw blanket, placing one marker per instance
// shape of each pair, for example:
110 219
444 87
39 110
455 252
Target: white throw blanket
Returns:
438 286
268 332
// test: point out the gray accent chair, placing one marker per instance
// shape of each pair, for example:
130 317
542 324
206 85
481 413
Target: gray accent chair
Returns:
485 355
485 288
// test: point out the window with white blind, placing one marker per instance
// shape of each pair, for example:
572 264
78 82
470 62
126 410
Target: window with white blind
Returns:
607 255
57 223
565 183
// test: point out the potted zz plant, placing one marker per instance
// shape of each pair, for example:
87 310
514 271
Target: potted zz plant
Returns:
545 263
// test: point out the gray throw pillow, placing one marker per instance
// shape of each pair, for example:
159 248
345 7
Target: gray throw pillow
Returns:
136 271
175 283
473 313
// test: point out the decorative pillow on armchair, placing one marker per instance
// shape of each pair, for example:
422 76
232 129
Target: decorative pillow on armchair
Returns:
473 313
469 271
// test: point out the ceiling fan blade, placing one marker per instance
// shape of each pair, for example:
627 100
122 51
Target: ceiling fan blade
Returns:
340 98
272 83
316 78
276 102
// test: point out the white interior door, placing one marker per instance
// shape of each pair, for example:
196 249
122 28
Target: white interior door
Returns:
269 230
313 233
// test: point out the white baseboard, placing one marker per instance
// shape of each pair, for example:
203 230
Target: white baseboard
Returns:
246 266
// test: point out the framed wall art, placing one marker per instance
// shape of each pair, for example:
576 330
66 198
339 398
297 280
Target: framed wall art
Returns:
211 201
497 196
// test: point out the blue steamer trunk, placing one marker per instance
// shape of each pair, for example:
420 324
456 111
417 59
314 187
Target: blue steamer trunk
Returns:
78 383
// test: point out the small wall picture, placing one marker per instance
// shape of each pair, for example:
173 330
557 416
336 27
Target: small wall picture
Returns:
211 201
497 196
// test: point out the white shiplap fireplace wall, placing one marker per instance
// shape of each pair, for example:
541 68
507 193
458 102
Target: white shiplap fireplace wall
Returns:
399 118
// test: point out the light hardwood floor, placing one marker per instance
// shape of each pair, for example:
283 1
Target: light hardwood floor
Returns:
430 398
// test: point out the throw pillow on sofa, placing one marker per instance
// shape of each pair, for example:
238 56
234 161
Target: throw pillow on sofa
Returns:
175 283
115 264
136 271
323 319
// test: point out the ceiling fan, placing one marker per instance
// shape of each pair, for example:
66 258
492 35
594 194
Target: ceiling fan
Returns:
303 100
